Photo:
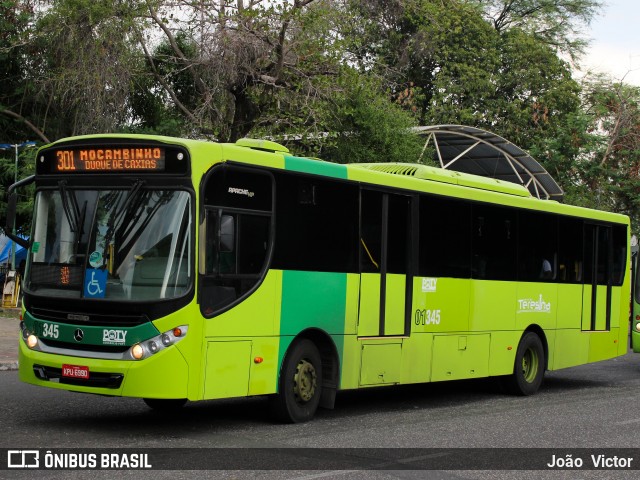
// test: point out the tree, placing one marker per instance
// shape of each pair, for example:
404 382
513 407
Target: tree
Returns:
16 95
26 167
556 23
241 57
607 171
447 64
361 125
86 65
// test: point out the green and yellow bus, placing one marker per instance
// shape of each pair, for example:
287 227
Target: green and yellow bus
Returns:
173 270
635 306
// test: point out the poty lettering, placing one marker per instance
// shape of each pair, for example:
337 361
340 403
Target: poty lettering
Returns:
114 337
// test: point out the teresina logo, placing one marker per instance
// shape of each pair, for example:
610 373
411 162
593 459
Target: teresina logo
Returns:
529 305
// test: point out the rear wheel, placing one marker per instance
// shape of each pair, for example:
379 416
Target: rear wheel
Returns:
300 384
528 370
164 405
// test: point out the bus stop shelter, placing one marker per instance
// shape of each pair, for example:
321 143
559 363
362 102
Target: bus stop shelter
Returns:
480 152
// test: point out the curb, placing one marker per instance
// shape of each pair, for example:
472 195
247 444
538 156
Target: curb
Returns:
6 366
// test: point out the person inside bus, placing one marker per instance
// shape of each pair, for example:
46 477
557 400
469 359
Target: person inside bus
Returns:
546 270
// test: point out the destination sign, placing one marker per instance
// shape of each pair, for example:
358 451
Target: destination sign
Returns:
111 159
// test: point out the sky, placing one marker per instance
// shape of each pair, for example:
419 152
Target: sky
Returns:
615 41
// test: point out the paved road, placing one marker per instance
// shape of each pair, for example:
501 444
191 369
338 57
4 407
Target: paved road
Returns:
593 406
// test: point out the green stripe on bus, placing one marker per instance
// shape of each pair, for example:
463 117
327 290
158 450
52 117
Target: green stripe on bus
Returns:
317 299
91 335
315 167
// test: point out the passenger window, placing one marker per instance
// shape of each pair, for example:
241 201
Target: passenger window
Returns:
538 247
316 224
445 240
570 262
237 238
494 243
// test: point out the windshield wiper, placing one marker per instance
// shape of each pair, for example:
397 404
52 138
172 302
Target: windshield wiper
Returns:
116 214
70 206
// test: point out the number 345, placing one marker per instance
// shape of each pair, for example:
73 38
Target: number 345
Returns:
427 317
49 330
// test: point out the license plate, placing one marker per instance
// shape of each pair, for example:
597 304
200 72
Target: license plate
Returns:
75 371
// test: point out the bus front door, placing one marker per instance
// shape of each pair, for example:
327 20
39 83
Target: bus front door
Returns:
597 287
385 250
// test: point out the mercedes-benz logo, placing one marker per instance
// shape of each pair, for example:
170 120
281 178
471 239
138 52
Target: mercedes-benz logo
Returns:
78 335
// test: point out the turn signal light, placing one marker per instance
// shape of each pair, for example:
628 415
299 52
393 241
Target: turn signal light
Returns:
158 343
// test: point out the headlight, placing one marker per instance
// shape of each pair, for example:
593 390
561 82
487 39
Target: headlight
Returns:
29 338
32 341
158 343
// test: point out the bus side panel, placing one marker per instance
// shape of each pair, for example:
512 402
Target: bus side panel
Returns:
313 300
503 352
416 358
191 346
492 306
236 337
571 349
603 345
617 306
228 366
257 315
167 377
537 304
460 356
440 305
569 306
369 321
350 364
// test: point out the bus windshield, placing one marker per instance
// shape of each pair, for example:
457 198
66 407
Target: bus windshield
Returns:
132 244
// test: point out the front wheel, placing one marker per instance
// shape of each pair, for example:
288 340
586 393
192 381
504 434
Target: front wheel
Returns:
300 384
528 370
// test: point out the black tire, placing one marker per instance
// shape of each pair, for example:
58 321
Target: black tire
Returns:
529 366
299 385
164 404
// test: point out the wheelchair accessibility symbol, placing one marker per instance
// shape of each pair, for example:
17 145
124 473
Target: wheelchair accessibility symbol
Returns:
95 283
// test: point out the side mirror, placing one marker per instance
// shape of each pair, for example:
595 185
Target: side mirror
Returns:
227 233
12 206
12 203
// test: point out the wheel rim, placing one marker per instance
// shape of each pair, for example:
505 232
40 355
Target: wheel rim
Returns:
304 381
530 365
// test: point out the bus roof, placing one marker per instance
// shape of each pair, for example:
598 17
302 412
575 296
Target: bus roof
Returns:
447 176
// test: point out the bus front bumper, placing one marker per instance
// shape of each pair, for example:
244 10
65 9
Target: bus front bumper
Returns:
164 375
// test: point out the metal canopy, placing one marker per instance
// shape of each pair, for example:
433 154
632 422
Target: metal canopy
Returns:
479 152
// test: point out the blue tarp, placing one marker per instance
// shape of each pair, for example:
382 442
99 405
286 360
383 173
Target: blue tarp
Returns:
5 251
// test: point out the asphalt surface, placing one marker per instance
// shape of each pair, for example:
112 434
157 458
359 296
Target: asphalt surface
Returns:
9 332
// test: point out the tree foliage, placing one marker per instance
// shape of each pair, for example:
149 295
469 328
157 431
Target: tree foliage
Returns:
609 169
340 79
556 23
